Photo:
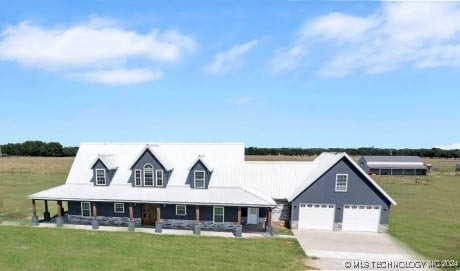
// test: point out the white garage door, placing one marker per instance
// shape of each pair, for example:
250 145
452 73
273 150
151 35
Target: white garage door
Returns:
361 218
316 216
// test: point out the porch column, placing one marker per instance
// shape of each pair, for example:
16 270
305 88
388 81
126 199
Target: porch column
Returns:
158 225
268 227
46 214
131 218
239 217
238 227
59 220
94 222
34 214
197 226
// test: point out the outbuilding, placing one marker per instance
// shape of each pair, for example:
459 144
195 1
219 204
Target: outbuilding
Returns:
393 165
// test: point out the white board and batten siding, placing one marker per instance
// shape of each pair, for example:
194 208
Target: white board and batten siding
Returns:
361 217
316 216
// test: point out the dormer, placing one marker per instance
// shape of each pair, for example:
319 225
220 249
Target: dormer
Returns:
104 168
150 169
200 173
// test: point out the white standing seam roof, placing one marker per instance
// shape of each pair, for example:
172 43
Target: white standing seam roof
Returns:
203 160
107 159
228 196
276 179
233 181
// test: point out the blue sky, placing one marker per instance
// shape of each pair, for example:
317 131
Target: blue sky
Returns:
284 73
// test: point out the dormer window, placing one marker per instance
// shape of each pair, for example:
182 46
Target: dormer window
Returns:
159 179
137 177
100 177
199 179
148 175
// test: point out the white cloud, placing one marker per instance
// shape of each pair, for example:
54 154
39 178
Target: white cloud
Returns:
421 35
226 61
120 76
98 43
453 146
242 100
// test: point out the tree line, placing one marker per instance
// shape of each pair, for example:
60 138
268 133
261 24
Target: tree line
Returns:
38 148
433 152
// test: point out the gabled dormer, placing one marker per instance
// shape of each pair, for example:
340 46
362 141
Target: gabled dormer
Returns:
150 169
200 173
104 168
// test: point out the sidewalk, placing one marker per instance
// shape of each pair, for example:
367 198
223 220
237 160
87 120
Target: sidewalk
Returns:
143 230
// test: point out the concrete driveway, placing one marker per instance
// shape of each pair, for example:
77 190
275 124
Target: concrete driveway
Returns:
330 249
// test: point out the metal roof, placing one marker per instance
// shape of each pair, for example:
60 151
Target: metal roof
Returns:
396 165
233 181
276 179
390 158
229 196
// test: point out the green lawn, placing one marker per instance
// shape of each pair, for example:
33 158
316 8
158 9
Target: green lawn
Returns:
427 216
27 248
21 176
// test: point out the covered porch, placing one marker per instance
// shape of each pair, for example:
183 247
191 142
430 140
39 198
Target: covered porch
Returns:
196 218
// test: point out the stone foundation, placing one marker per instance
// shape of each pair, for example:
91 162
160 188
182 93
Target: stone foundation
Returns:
383 227
204 225
166 223
103 220
281 213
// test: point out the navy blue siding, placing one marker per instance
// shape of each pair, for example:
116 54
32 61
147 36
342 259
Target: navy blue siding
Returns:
104 209
359 191
167 211
148 158
198 166
108 173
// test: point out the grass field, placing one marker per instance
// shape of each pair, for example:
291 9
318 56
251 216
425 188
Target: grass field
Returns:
426 217
27 248
21 176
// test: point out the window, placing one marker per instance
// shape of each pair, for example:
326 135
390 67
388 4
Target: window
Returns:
199 178
119 207
159 174
181 210
137 177
148 175
85 209
218 214
341 181
100 176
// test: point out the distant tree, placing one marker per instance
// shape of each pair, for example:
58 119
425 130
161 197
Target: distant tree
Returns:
38 148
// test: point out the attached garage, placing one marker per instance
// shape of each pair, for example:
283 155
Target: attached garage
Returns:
361 218
316 216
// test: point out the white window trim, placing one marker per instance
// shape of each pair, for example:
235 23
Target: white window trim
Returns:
153 176
105 178
162 178
214 214
185 208
346 183
115 207
140 177
204 179
81 208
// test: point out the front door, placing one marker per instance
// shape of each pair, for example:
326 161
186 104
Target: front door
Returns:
253 215
148 214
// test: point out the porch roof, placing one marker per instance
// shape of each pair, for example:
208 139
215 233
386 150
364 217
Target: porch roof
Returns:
227 196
